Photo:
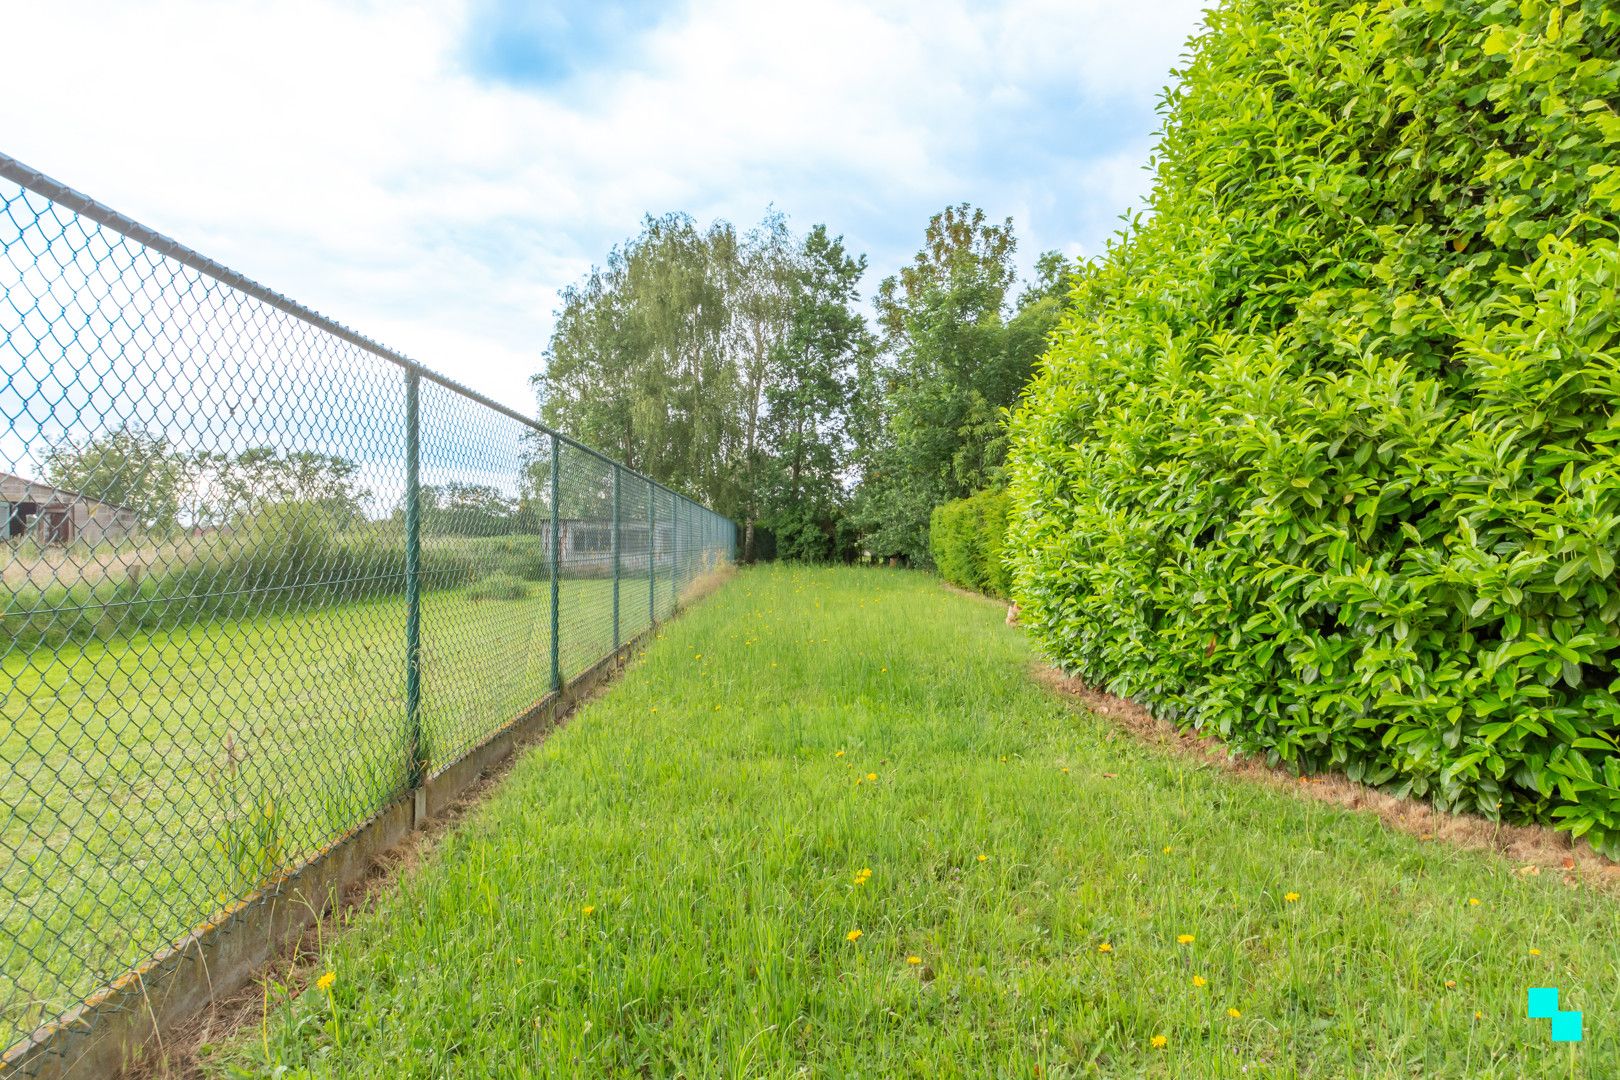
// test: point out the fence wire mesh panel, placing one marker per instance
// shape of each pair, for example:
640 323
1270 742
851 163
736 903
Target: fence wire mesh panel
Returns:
260 577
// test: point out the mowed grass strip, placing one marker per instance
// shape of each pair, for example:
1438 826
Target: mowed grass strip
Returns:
829 826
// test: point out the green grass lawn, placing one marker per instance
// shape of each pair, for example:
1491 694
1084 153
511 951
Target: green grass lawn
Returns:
127 767
829 826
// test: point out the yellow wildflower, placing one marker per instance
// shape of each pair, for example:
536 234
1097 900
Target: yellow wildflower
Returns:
984 858
1233 1013
871 776
1105 947
913 960
839 754
1160 1042
1473 901
853 935
1185 939
1199 980
1291 897
1535 952
325 981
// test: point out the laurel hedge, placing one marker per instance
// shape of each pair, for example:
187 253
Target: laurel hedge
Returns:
1324 456
967 538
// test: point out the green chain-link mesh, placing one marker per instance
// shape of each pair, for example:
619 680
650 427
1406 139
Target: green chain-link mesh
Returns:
205 494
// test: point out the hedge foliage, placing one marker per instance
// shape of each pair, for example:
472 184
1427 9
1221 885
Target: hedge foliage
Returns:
1324 456
967 538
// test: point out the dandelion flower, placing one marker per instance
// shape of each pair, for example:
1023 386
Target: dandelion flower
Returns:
1199 980
913 960
1185 939
1105 947
1535 952
871 776
1473 901
984 858
839 754
325 981
1167 849
588 908
1065 770
1451 984
853 935
1479 1016
1291 897
1160 1042
1233 1013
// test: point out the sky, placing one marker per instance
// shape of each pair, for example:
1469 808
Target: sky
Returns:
432 173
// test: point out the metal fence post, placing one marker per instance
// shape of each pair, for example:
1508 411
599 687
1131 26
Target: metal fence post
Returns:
615 557
413 578
556 557
652 551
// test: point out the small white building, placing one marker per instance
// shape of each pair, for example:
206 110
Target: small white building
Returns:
53 515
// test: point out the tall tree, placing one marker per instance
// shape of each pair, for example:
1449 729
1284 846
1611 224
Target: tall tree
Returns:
765 293
640 363
956 356
718 365
810 396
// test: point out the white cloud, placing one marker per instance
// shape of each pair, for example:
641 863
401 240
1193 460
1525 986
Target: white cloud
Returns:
343 154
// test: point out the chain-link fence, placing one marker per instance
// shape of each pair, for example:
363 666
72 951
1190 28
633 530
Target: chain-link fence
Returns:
261 577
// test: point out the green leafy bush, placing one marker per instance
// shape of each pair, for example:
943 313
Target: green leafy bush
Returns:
1323 458
285 557
967 538
498 586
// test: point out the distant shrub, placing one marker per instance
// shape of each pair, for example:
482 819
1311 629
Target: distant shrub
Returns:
801 534
1324 456
285 557
967 538
498 586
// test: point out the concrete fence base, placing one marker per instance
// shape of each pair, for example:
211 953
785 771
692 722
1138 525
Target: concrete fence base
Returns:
103 1036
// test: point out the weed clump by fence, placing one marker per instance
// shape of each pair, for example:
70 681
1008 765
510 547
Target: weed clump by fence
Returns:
1323 459
261 577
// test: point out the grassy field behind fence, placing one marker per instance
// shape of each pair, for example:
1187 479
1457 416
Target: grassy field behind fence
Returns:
828 825
150 780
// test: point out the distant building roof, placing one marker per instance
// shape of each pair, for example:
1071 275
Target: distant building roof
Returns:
64 491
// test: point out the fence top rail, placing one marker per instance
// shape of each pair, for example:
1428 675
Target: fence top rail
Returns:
104 215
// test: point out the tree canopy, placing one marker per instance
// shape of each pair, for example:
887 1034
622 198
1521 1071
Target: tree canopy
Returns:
958 351
721 365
